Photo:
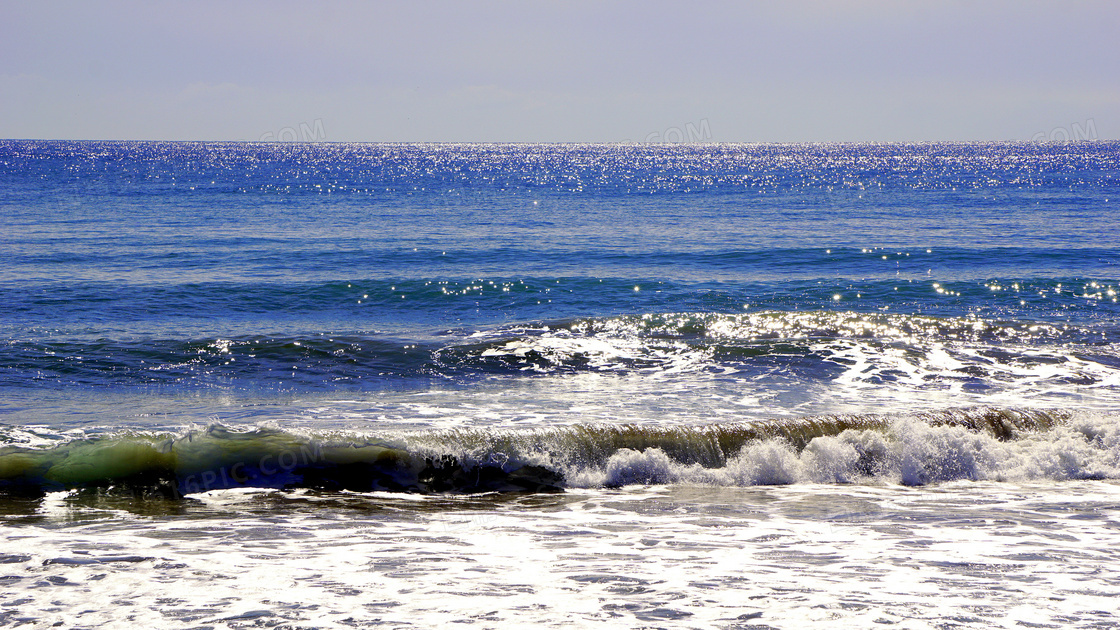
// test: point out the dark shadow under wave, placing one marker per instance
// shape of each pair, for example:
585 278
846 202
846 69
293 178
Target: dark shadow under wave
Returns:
919 448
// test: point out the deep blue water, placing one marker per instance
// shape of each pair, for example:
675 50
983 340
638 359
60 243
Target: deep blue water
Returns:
371 286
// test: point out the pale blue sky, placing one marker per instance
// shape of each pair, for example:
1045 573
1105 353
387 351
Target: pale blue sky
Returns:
789 71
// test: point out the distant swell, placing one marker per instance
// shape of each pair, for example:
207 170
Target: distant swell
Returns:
981 443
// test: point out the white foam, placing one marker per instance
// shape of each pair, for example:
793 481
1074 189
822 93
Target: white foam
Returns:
839 362
602 352
911 452
789 556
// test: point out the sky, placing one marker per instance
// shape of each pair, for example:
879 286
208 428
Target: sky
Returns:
575 71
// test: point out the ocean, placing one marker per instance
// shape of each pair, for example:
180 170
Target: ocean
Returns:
331 385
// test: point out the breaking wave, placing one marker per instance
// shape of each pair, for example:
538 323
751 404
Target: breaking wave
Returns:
915 449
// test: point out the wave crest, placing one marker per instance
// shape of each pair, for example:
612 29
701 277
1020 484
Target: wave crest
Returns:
916 449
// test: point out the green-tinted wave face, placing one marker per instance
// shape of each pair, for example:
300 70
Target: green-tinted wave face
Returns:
922 448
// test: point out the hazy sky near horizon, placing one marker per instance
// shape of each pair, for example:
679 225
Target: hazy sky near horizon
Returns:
521 71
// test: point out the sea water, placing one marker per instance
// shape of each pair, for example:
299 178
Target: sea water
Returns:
702 386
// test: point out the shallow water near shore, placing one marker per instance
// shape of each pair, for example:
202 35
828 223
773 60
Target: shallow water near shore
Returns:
985 554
